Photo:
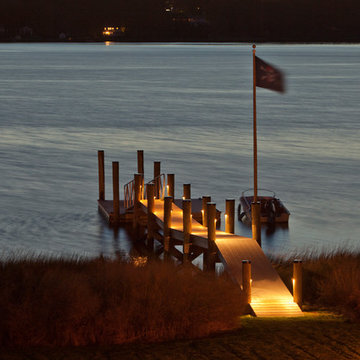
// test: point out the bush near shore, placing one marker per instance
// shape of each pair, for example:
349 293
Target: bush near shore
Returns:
330 280
63 302
102 301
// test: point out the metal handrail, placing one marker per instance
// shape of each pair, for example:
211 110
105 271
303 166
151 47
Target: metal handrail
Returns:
129 194
159 187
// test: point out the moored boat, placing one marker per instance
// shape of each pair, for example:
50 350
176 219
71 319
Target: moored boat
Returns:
272 210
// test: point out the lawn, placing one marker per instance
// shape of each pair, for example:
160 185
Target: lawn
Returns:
316 336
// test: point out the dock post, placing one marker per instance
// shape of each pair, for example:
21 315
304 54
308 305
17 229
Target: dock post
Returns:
297 282
187 227
150 215
140 161
157 165
138 178
101 174
205 200
187 191
167 225
116 197
255 222
246 280
210 257
230 216
171 185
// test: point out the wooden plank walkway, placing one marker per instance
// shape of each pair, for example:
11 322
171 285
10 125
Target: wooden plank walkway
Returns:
270 296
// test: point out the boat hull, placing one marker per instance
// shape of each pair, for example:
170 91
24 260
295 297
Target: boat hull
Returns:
280 213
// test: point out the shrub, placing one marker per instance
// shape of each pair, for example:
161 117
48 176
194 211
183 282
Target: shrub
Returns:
331 280
103 301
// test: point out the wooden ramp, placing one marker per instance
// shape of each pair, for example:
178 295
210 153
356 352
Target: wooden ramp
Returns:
270 296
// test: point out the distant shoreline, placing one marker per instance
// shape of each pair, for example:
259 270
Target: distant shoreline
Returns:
179 42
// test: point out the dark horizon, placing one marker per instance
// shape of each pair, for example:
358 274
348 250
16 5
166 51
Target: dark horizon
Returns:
180 20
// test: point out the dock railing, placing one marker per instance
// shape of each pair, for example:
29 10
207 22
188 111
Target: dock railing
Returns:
159 187
129 194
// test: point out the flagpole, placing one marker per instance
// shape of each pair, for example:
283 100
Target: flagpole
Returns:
254 125
255 205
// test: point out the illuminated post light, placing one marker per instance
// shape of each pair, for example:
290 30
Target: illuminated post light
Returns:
255 222
246 280
157 171
167 225
187 191
116 195
137 199
171 184
297 282
230 216
187 228
211 220
140 161
205 200
150 216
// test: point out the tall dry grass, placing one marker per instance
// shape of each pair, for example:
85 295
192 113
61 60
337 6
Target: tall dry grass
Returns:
78 302
330 280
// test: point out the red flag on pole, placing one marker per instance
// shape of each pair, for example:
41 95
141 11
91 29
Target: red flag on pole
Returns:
269 77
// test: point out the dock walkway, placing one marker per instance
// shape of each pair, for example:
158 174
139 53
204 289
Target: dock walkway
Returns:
270 296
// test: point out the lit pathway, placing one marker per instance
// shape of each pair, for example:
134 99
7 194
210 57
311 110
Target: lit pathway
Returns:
270 296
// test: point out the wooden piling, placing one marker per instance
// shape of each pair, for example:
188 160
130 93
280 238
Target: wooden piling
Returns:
101 174
205 200
230 216
140 161
187 227
211 251
255 222
246 280
116 197
297 282
187 191
150 215
171 185
167 224
157 166
138 179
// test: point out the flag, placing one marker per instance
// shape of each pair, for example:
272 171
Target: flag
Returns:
269 77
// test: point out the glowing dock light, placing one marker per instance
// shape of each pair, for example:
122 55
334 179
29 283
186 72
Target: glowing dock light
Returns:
246 280
297 282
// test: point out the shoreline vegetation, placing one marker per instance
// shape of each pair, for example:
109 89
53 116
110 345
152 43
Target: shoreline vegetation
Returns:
63 303
72 302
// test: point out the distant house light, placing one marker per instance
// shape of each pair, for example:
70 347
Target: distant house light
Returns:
114 30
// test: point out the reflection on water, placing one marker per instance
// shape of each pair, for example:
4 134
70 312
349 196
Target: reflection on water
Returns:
190 107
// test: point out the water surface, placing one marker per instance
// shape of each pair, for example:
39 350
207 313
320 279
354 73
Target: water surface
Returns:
190 107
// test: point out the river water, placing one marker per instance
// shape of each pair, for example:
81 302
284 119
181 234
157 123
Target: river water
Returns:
190 107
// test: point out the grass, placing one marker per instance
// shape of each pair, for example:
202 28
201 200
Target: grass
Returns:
64 302
169 312
313 337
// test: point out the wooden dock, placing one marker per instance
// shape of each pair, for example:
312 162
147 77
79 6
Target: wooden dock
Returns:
106 208
192 224
270 296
